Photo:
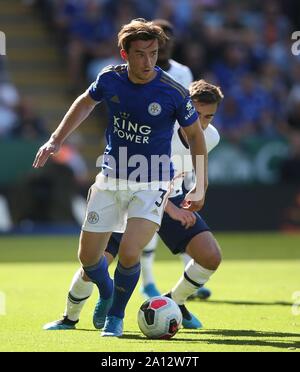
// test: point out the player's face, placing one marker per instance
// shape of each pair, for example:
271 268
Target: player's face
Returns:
141 59
206 112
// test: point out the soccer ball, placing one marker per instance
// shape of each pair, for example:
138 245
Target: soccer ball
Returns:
159 317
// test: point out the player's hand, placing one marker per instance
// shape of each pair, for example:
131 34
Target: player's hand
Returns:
44 152
186 218
191 202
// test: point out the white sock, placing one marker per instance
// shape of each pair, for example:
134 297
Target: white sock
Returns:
147 258
79 293
5 218
185 259
195 276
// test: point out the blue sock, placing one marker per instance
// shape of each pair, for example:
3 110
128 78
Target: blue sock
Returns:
125 280
100 276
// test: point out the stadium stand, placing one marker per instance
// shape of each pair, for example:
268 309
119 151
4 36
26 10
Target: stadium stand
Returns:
56 47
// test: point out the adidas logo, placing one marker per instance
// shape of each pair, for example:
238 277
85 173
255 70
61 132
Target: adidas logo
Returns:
155 212
115 99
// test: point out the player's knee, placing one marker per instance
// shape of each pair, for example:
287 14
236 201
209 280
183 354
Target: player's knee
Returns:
86 259
209 257
129 257
129 260
82 258
215 258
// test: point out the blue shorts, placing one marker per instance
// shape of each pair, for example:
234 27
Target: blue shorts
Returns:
171 232
174 235
114 244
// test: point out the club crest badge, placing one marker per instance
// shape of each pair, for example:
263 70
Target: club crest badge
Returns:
93 218
154 109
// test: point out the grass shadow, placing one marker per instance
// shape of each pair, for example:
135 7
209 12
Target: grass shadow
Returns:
237 335
247 303
228 337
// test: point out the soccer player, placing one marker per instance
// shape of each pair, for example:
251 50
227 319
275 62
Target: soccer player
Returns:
183 75
183 231
144 103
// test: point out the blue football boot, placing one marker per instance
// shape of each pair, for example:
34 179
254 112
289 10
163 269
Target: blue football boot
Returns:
113 327
101 309
202 293
189 321
150 291
61 325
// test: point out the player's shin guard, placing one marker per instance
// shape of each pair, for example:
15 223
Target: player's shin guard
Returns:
79 293
195 276
100 276
125 281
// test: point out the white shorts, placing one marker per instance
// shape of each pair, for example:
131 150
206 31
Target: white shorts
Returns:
109 207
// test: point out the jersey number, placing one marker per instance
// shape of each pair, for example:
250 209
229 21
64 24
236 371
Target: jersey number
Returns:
162 196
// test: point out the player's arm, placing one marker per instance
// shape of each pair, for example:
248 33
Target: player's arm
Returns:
77 113
194 200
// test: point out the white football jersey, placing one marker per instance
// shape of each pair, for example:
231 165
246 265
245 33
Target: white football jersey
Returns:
181 155
181 73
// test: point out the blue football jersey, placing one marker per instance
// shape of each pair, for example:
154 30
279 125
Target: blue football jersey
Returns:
141 122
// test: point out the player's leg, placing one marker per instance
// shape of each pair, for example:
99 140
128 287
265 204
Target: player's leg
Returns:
206 258
94 270
202 293
80 290
185 258
176 237
148 288
105 213
145 212
110 253
95 266
93 241
138 234
94 262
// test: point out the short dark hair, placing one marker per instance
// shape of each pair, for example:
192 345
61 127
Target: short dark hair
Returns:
202 91
140 29
165 25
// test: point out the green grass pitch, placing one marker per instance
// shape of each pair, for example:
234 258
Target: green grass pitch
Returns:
250 310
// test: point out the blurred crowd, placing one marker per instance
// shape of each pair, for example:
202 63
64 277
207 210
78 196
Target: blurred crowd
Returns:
242 46
18 117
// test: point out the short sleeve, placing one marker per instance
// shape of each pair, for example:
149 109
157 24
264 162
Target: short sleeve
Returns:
96 89
186 113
